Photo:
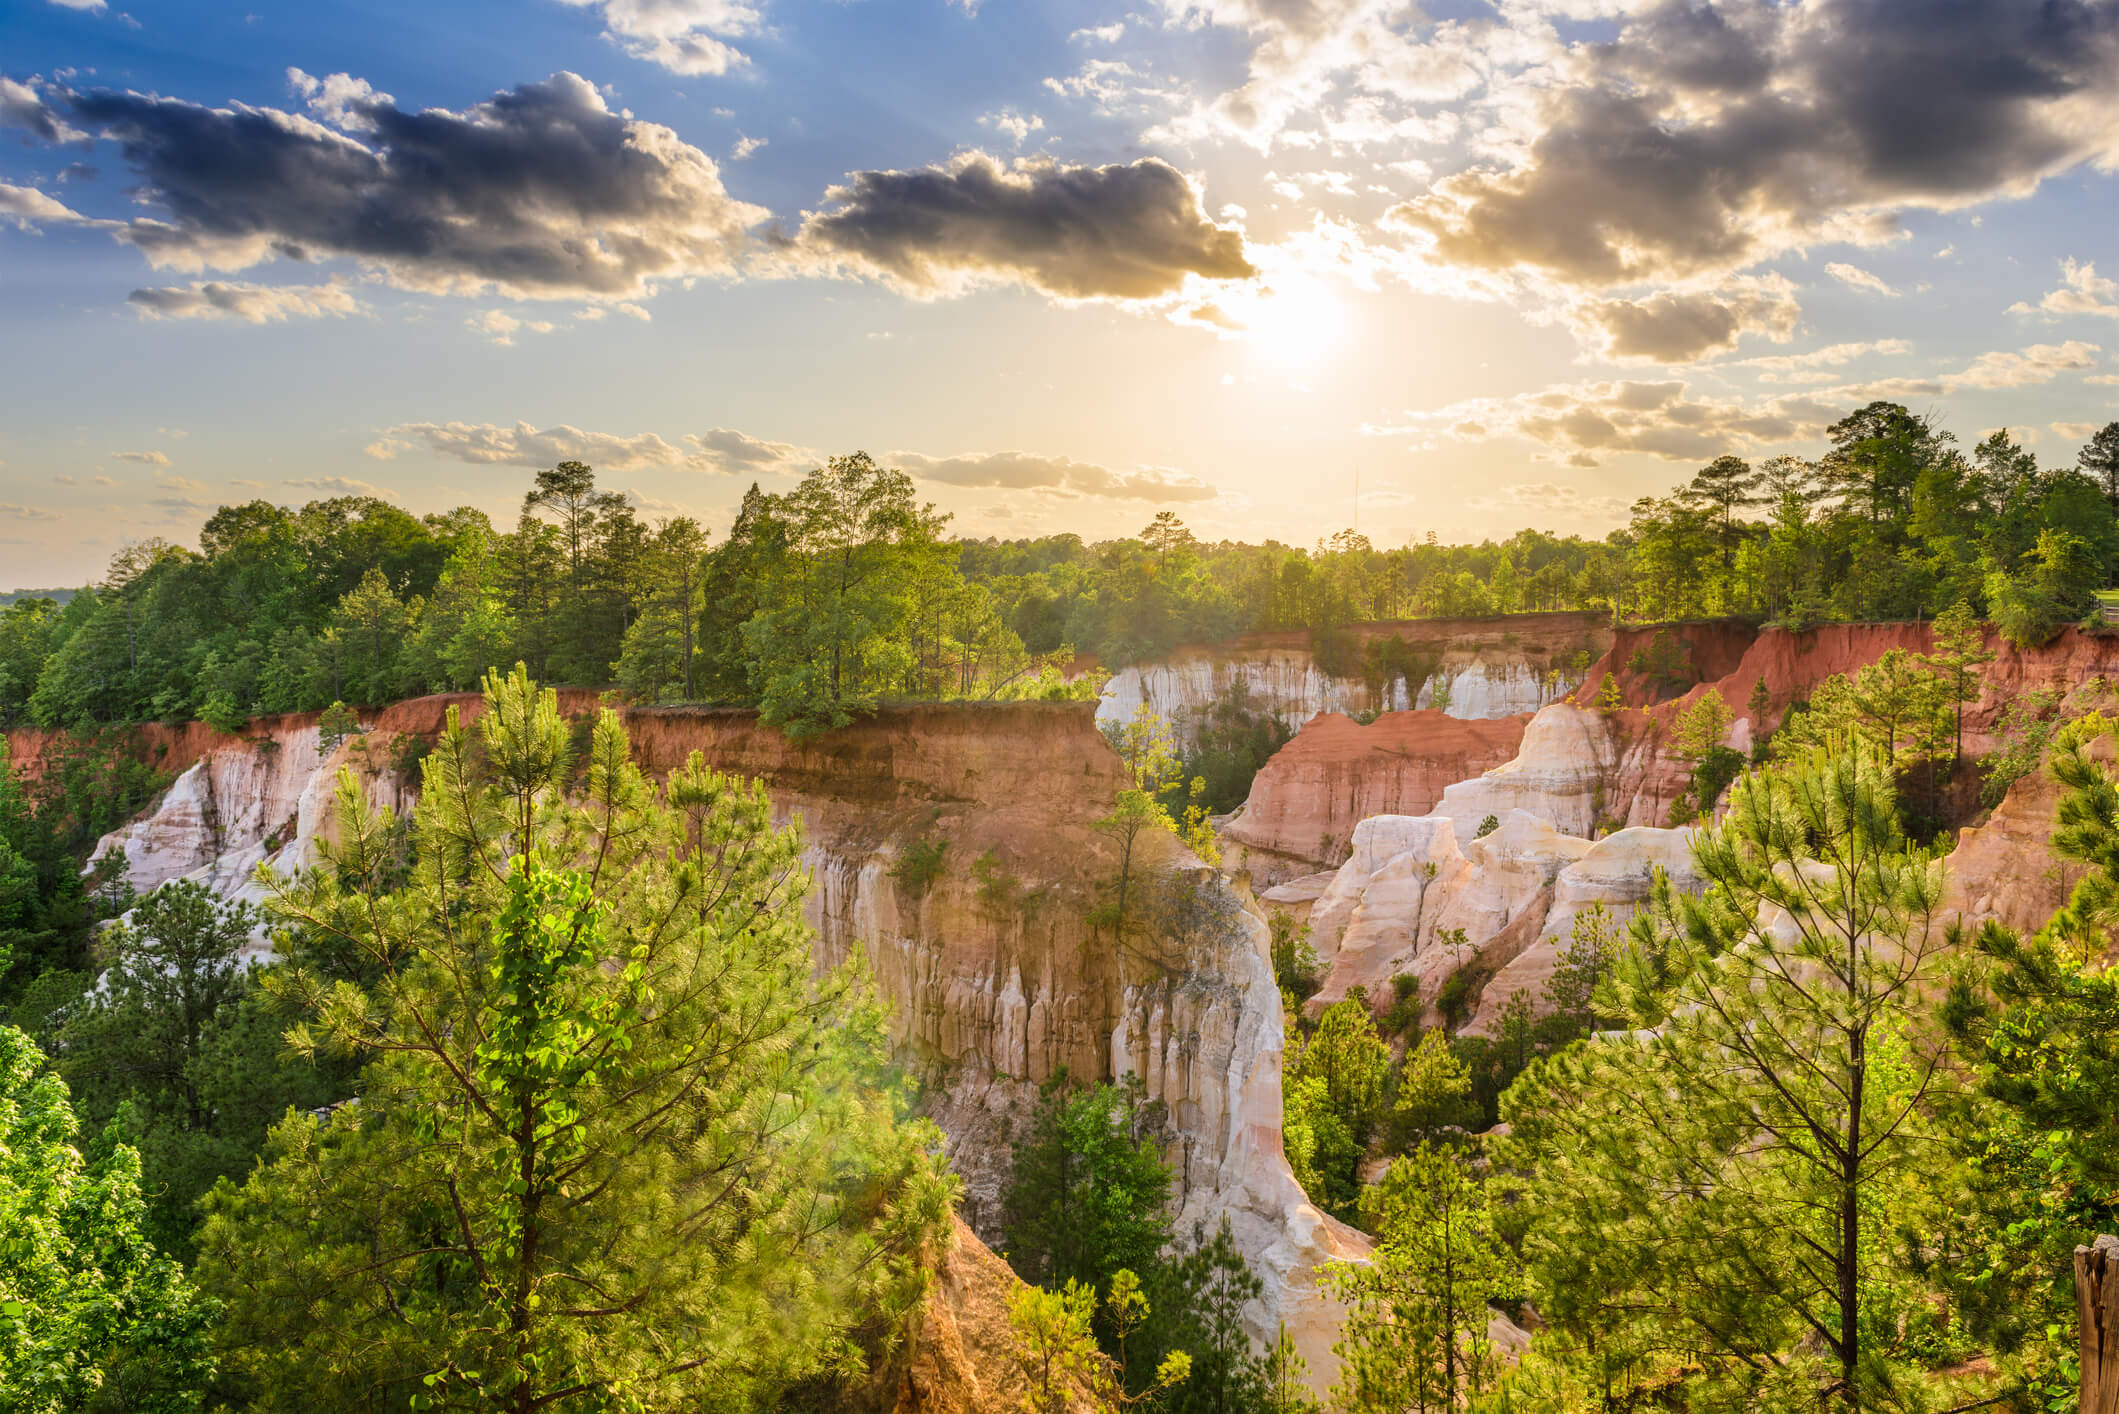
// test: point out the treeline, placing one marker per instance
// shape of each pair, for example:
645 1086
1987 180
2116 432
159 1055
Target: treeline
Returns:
820 603
846 591
1896 521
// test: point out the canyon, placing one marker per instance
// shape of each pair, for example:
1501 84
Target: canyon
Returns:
1422 843
996 979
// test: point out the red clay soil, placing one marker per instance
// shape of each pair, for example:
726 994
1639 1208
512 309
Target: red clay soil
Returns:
1336 773
1734 657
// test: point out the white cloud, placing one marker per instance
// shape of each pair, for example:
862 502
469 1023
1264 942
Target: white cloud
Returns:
2082 291
2040 363
733 453
143 458
502 327
1014 125
1581 422
251 304
745 147
1101 34
488 444
2076 431
1055 476
683 36
340 486
1859 278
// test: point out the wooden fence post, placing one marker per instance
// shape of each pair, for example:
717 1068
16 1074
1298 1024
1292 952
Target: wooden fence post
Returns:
2097 1316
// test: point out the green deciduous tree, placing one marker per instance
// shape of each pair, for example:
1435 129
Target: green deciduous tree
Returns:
178 1037
827 640
91 1315
1331 1101
618 1138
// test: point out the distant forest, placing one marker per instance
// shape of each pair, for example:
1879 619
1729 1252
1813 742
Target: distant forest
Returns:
847 591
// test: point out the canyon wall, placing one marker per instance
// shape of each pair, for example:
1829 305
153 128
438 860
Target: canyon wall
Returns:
1581 809
1494 667
996 979
1305 802
1732 658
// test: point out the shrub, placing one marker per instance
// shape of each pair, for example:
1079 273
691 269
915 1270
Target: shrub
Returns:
919 866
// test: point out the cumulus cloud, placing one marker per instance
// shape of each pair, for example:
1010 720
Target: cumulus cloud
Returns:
250 304
2075 431
26 512
2040 363
28 208
683 36
1859 278
2082 291
1123 231
725 450
488 444
22 106
1017 126
1307 54
1678 327
540 191
1059 476
1704 139
1580 422
143 458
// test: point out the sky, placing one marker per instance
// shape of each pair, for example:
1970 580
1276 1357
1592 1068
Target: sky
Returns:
1281 266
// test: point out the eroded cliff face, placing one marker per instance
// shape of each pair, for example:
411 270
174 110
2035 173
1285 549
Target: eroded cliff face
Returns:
1732 658
1421 897
1304 805
1492 668
996 979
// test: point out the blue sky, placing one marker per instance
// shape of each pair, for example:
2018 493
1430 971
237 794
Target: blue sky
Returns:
1502 263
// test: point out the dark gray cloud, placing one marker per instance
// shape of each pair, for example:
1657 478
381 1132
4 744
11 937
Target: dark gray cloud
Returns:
1704 139
1063 476
540 190
1124 231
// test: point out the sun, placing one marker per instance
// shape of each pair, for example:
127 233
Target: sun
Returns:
1296 322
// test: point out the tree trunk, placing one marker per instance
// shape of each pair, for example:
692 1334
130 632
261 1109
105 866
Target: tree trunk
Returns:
2097 1314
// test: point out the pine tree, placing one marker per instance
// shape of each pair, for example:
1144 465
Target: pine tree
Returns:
617 1135
1415 1333
1957 652
1720 1186
1088 1189
1434 1092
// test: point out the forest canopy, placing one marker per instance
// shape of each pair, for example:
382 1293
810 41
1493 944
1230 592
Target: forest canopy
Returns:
845 591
